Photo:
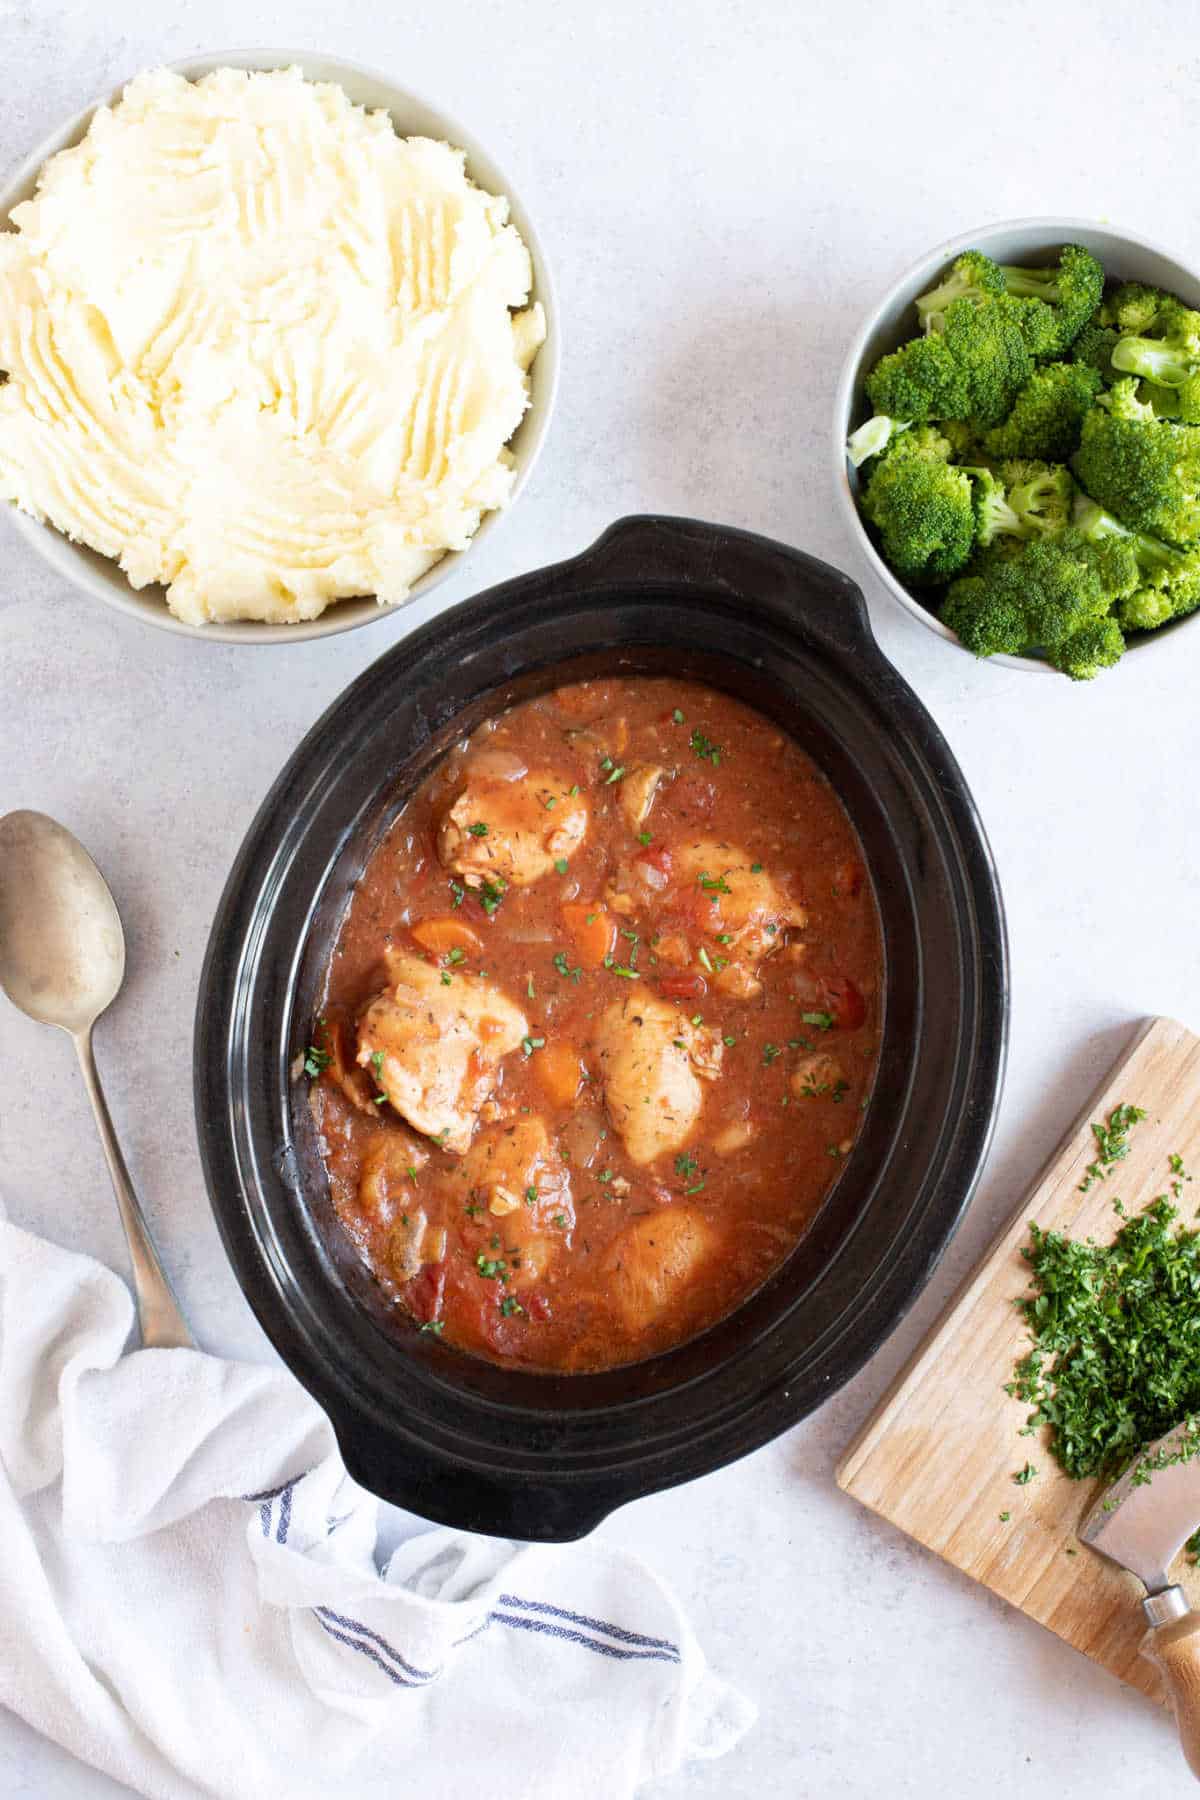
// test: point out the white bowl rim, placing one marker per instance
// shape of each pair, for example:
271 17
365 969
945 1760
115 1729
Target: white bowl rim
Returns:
1057 231
341 615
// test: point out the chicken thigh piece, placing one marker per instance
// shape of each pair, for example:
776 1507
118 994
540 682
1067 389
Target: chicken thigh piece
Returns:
517 1174
435 1048
735 902
652 1060
654 1260
511 833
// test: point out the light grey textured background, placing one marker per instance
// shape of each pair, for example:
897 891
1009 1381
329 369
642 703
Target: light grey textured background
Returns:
723 190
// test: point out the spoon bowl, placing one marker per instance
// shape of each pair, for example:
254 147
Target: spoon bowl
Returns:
62 962
62 950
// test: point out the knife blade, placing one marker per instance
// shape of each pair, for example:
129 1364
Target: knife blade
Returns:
1143 1520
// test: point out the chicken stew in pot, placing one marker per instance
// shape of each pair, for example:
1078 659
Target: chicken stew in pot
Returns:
599 1025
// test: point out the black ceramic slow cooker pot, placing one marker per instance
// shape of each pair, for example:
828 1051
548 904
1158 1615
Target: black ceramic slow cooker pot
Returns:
547 1456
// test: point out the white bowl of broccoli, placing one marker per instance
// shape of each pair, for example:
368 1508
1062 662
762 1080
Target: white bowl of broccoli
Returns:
1017 443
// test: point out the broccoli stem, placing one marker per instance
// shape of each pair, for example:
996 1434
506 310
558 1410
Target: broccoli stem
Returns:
1153 360
873 438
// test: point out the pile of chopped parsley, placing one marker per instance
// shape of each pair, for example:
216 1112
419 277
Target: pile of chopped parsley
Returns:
1115 1328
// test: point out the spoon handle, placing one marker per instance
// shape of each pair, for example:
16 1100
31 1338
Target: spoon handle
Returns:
161 1321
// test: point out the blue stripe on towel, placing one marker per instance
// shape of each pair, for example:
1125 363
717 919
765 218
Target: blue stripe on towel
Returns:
613 1631
285 1513
326 1612
670 1655
366 1650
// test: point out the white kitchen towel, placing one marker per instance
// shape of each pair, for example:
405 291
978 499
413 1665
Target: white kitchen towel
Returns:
190 1598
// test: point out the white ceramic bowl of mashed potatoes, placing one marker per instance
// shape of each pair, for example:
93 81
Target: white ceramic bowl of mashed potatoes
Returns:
333 468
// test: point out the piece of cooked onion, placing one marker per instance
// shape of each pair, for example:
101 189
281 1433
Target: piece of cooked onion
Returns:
496 764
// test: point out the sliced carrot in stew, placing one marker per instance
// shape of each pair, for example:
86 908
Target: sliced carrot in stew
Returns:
560 1071
441 936
593 931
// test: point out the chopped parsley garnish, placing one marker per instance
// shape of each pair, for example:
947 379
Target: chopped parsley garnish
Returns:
411 1172
644 837
530 1196
550 802
559 1219
1024 1476
695 1187
510 1306
1114 1360
472 1209
1005 1517
560 863
685 1164
836 1151
822 1020
705 749
458 893
756 868
436 1326
316 1060
446 979
492 1268
491 893
840 1090
529 993
623 969
530 1044
377 1062
479 829
615 775
729 1042
714 885
604 1175
564 968
703 957
724 937
1112 1143
677 716
770 1052
455 956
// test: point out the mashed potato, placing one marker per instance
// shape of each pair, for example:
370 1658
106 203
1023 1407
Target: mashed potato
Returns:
259 348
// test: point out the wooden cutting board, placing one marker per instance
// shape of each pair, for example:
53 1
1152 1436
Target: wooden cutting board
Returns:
938 1456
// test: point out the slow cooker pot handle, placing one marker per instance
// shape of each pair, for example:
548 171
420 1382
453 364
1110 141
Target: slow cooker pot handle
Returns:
768 576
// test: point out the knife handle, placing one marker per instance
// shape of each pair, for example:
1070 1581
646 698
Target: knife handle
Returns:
1174 1648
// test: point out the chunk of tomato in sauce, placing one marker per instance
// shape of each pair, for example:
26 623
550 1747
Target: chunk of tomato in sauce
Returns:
682 987
426 1292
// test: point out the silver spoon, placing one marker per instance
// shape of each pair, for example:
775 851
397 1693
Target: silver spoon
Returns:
62 961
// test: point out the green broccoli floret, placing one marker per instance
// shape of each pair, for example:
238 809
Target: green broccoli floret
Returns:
1071 291
1094 347
1169 579
922 508
1094 647
973 276
972 367
1168 361
1047 415
964 445
1041 597
1040 494
1181 404
994 517
920 380
988 342
988 621
1144 469
1132 306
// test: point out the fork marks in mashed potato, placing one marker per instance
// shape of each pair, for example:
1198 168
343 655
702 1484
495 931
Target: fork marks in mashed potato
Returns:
260 348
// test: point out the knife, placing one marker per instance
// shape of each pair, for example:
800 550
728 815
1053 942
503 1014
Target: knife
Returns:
1142 1524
